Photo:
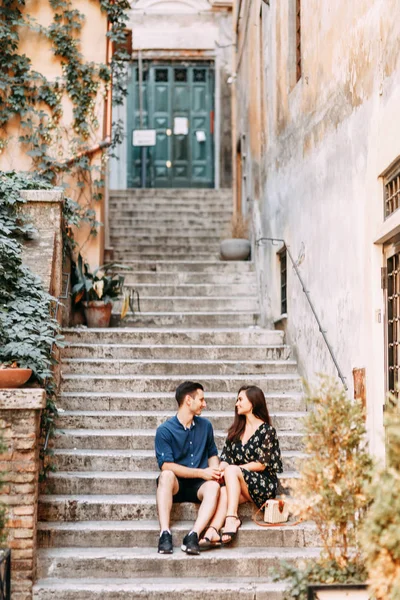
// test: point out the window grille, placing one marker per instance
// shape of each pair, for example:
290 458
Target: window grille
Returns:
283 270
161 75
392 191
393 322
298 40
199 75
180 75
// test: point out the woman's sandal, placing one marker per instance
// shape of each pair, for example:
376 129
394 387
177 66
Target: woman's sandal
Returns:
210 544
232 534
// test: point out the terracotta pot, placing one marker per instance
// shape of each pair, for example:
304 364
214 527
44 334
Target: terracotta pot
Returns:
14 378
235 249
97 313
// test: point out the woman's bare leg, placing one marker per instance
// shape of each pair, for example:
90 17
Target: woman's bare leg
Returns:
219 516
237 493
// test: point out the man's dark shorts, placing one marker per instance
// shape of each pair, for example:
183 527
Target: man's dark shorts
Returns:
188 489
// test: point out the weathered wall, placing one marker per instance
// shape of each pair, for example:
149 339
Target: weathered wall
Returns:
19 464
38 49
327 140
43 254
184 30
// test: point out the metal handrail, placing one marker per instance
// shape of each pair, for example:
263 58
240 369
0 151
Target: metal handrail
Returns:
307 293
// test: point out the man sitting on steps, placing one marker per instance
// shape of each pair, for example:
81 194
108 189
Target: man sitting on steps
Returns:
188 459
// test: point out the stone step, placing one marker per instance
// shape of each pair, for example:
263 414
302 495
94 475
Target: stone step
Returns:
157 588
209 319
184 193
179 222
126 236
154 383
176 351
174 214
126 245
127 562
120 366
143 439
130 460
125 255
166 233
183 278
105 483
192 304
196 290
191 265
113 506
136 335
123 534
163 207
143 401
124 419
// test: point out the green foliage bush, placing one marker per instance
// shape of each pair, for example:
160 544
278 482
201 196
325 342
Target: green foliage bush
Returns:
332 490
381 530
28 331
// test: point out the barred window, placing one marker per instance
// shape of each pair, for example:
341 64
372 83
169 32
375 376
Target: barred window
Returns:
391 184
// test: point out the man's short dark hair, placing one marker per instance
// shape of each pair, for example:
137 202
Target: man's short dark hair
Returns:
185 388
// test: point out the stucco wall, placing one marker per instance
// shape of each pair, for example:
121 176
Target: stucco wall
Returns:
183 30
328 138
39 51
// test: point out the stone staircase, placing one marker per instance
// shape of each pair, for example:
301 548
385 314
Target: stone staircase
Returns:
98 526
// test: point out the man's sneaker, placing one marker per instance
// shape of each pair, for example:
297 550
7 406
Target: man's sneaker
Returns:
190 543
165 543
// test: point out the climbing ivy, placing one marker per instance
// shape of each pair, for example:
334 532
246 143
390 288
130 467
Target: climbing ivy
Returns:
28 327
59 155
28 95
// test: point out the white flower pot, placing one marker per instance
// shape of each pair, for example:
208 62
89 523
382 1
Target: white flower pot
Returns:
235 249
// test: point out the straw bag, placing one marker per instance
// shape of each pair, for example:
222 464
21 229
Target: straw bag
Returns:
276 512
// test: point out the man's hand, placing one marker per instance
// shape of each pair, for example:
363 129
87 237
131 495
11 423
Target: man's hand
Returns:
211 474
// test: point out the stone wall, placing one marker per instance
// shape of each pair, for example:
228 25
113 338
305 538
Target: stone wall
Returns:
43 254
328 137
20 409
19 464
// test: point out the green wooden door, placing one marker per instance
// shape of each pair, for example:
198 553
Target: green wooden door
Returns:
177 102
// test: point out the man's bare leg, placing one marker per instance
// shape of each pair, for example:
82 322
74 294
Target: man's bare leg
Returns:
167 487
208 494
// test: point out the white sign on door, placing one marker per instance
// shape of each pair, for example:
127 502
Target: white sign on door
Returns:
181 126
144 137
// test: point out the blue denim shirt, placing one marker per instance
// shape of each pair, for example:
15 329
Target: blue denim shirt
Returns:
189 447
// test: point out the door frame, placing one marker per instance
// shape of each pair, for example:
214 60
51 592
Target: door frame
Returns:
199 56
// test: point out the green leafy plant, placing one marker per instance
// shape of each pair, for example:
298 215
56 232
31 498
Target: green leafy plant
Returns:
332 490
381 530
104 283
29 330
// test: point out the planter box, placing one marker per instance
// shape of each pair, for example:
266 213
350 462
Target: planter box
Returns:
338 592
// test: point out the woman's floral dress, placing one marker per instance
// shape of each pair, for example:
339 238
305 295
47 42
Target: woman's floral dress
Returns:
263 447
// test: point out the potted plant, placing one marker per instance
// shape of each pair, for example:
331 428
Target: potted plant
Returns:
97 290
12 376
381 531
237 246
332 491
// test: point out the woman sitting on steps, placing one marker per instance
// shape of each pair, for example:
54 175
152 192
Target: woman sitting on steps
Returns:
250 461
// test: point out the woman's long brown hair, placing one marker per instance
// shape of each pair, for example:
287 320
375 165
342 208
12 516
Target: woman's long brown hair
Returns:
256 396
